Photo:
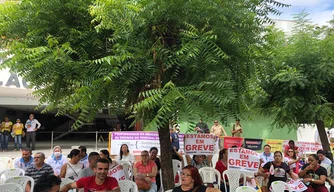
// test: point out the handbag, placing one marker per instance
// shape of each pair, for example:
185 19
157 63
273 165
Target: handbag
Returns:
143 184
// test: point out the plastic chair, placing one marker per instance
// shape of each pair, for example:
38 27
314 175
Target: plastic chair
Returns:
280 186
22 181
210 175
5 163
128 186
233 177
127 168
245 189
214 160
177 169
11 187
8 173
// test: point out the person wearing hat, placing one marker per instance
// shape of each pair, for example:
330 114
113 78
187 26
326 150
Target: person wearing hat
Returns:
56 160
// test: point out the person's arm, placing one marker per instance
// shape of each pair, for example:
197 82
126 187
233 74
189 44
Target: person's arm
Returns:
320 181
154 172
136 174
69 186
188 159
116 189
63 171
209 189
240 130
26 125
211 131
209 158
225 134
233 130
293 175
303 171
38 124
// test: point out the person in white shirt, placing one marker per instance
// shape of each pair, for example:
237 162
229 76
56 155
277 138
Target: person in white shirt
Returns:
56 160
266 156
32 126
125 155
24 161
322 157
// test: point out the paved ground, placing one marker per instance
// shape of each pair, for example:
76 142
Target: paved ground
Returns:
45 147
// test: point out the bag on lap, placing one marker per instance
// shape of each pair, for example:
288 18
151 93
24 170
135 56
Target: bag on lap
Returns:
143 184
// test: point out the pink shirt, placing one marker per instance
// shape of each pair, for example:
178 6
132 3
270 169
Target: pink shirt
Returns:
144 169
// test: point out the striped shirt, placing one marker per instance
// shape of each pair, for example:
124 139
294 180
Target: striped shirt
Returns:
35 173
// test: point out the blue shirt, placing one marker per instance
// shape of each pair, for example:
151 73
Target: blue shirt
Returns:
175 140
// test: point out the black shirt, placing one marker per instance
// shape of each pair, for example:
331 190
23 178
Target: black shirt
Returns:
315 174
201 188
279 173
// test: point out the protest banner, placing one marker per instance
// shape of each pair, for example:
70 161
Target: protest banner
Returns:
295 185
199 144
275 144
117 172
232 141
304 147
253 144
137 141
243 159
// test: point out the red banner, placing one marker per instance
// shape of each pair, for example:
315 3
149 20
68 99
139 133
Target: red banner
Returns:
232 141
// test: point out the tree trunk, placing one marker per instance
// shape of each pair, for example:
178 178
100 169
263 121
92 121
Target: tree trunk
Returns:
166 158
323 137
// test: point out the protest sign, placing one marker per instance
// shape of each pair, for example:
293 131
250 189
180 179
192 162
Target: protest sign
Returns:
117 172
304 147
295 185
275 144
232 141
243 159
253 144
137 141
199 144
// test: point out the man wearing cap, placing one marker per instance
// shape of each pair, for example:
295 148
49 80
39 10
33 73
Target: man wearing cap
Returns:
202 127
56 160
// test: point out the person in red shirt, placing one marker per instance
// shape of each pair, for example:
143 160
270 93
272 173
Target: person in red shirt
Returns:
98 182
221 166
291 145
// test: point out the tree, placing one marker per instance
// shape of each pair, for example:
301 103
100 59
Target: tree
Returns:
151 58
298 85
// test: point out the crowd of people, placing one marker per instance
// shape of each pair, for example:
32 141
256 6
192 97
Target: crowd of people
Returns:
17 131
90 171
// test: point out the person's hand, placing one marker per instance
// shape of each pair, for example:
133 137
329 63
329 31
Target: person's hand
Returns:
266 175
261 161
148 179
306 180
35 129
310 167
28 125
121 167
197 129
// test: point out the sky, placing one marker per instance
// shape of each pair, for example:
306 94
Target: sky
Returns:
320 11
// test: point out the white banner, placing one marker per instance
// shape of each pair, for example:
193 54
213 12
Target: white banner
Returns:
296 186
199 144
304 147
137 141
117 172
243 159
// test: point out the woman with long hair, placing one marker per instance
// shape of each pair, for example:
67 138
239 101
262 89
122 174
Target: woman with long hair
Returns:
192 181
125 155
72 168
155 158
104 154
314 175
221 166
292 160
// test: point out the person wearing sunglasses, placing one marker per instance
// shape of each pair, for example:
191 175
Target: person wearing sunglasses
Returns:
192 181
292 160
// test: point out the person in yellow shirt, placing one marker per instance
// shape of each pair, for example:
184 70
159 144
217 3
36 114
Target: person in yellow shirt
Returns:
6 127
18 130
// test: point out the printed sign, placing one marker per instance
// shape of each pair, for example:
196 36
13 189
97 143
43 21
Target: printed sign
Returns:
243 159
276 145
199 144
295 185
232 141
304 147
253 144
137 141
117 172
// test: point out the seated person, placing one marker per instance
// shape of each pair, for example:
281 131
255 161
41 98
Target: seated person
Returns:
314 175
146 169
199 161
47 183
192 181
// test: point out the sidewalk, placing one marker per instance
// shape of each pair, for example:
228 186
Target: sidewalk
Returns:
45 147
